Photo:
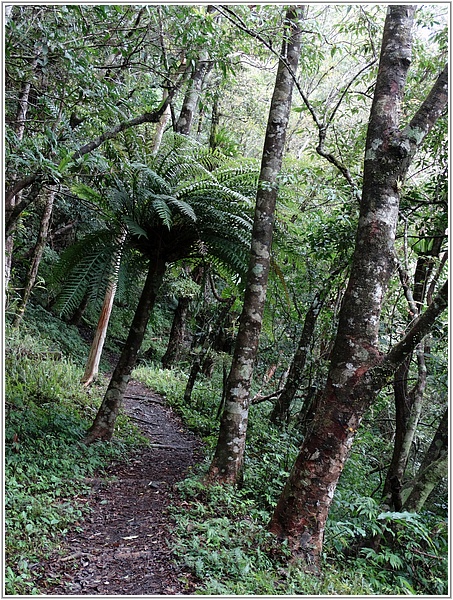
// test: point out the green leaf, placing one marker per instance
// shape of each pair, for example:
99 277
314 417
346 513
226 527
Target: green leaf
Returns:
65 162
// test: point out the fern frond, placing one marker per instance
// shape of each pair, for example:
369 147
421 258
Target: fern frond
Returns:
97 201
133 227
243 178
91 274
151 180
181 159
184 208
233 257
132 264
163 211
77 252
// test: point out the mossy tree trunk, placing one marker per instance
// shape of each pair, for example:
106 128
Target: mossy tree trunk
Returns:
228 459
358 370
104 423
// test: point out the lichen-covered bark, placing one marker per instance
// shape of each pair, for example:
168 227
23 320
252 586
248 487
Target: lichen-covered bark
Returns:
351 387
228 459
104 423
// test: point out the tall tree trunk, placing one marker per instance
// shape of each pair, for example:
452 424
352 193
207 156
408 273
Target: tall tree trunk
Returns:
354 377
11 201
177 333
228 459
201 69
97 345
433 468
280 412
37 255
104 423
200 72
409 403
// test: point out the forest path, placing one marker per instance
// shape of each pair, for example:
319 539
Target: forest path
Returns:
122 547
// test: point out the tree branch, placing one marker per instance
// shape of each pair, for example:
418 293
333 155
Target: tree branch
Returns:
322 129
231 299
420 327
257 399
19 186
10 220
39 178
148 117
424 119
346 88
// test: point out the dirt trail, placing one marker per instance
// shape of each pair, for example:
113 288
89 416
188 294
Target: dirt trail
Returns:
122 548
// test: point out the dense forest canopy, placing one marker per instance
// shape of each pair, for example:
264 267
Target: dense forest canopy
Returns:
245 208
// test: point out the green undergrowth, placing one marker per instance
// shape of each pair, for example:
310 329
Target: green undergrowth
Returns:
221 534
200 414
47 413
221 537
55 335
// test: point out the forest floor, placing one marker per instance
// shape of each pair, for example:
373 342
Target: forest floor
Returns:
123 546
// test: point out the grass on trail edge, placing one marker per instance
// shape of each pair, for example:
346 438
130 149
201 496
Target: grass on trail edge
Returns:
47 413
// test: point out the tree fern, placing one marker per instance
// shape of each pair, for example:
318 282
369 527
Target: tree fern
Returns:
151 179
196 196
77 252
133 227
131 266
